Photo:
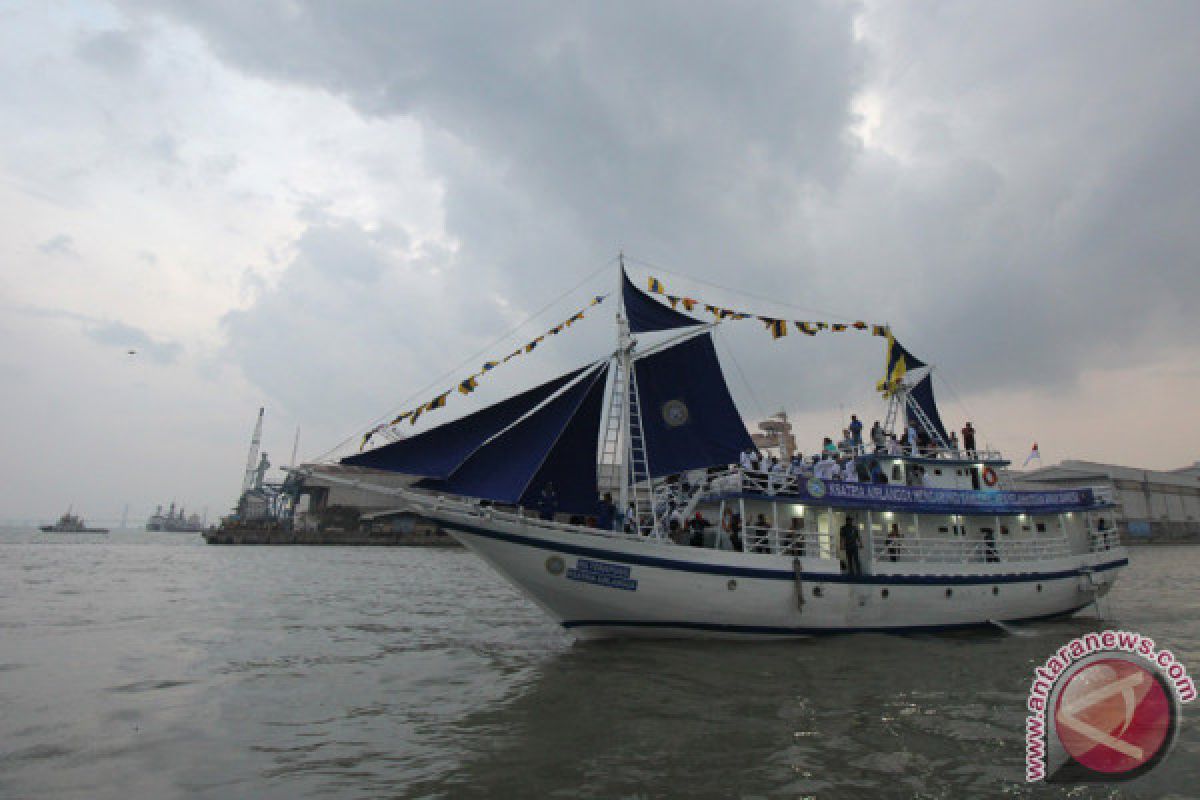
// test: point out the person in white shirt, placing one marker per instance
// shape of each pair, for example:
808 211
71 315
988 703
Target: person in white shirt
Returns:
893 446
849 471
778 476
826 468
747 459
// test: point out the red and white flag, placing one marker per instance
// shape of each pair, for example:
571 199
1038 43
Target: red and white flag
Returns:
1032 455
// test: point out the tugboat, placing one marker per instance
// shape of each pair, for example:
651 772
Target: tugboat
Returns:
902 530
174 521
70 523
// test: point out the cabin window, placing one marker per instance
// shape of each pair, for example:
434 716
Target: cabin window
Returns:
1041 527
958 472
943 529
897 474
1025 528
1004 530
975 479
937 472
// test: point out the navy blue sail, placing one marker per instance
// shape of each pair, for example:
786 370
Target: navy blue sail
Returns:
647 314
900 362
922 395
556 443
688 418
437 452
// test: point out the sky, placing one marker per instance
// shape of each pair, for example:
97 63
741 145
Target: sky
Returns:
336 210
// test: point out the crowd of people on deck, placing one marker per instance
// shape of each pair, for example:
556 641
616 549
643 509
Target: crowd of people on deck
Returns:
846 460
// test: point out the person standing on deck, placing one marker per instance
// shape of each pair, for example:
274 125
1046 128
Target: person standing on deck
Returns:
878 438
893 542
856 433
850 543
850 471
968 439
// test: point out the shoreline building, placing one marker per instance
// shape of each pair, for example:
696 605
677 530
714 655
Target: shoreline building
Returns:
1151 505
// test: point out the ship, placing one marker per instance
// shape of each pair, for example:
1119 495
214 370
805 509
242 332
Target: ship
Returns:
702 536
174 521
71 523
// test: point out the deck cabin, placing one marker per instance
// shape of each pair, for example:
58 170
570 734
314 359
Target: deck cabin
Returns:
940 509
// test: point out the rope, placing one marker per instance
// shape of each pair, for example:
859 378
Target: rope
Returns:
741 292
749 386
462 364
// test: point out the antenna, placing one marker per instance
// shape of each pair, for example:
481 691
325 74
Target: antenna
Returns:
252 458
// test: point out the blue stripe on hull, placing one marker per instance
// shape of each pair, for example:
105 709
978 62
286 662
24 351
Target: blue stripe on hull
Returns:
768 630
770 574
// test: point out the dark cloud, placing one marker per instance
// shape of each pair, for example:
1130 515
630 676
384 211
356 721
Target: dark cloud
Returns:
1026 213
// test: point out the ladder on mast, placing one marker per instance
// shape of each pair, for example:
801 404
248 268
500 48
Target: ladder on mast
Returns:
640 483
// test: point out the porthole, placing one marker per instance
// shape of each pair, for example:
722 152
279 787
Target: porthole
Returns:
731 585
884 593
949 592
818 591
555 565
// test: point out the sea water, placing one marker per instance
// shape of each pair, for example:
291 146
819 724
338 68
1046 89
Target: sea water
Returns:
141 665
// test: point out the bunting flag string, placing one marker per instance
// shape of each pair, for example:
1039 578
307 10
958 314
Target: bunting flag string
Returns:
471 382
778 328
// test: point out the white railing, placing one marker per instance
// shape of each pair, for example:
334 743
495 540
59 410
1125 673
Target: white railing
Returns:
967 551
786 542
818 544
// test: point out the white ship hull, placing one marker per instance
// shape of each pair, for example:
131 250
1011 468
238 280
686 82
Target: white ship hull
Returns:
599 585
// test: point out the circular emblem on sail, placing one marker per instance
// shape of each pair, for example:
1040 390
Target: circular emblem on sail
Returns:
554 565
675 413
816 487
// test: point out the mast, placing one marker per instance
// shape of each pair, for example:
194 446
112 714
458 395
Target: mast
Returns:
620 399
635 482
252 458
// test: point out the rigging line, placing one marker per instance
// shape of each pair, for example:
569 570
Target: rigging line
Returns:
749 388
454 370
773 301
957 397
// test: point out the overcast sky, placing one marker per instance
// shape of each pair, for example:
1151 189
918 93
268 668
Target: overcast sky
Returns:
323 207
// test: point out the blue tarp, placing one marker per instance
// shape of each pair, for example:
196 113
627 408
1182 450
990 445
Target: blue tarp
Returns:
556 443
436 452
688 418
647 314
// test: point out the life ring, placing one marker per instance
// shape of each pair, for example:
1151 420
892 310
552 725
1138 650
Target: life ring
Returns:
989 476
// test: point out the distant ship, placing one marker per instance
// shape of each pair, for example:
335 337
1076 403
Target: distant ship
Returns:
174 521
70 523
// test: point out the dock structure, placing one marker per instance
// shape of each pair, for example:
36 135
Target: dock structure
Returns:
316 505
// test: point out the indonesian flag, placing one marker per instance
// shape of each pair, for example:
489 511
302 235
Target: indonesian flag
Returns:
1032 455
